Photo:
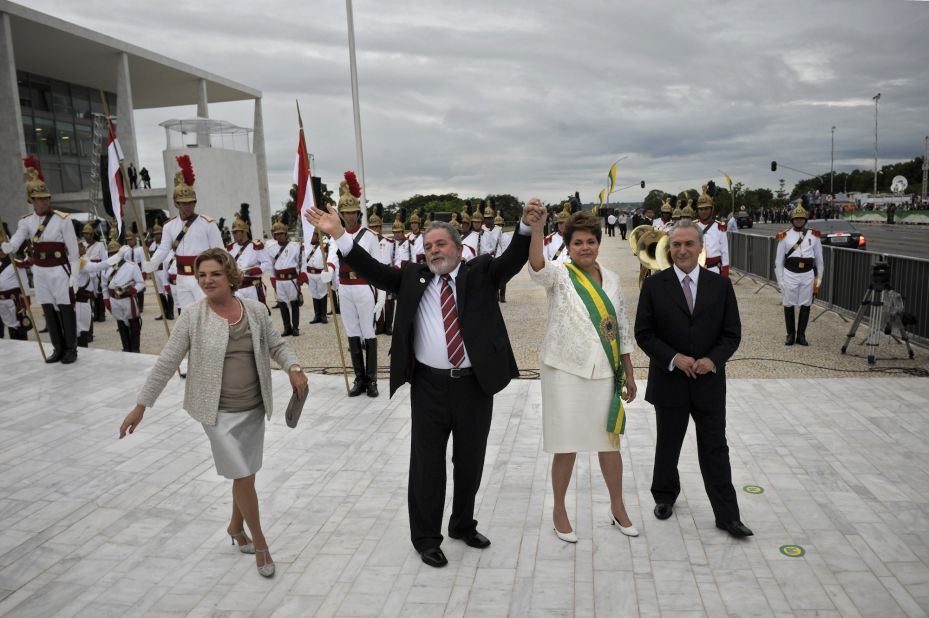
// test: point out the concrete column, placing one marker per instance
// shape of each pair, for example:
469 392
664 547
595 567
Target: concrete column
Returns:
12 142
258 148
125 128
203 139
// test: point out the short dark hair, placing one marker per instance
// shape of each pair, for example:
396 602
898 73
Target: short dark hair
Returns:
582 221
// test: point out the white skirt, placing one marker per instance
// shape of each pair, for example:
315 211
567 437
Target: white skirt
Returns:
237 440
575 412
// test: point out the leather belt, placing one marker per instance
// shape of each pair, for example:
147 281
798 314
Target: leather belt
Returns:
716 260
119 293
185 264
799 265
314 271
453 373
287 274
48 254
9 294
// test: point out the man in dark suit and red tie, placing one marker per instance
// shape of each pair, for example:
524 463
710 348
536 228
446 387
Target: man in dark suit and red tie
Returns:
450 343
688 324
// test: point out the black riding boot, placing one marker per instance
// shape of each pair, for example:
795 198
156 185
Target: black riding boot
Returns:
123 330
18 333
322 310
135 334
358 364
802 321
335 304
371 366
389 316
789 321
82 340
295 314
285 318
99 309
2 329
140 300
502 292
316 319
69 330
53 326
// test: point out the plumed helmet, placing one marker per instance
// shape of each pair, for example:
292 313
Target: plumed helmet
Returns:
799 212
184 180
349 192
130 235
666 205
562 216
465 217
687 212
239 224
398 224
675 214
35 181
374 221
488 211
498 220
706 200
279 228
88 228
414 218
454 220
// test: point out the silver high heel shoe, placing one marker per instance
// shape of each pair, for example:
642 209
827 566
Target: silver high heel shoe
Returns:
266 569
248 547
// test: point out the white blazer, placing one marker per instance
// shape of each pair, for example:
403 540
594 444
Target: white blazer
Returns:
571 342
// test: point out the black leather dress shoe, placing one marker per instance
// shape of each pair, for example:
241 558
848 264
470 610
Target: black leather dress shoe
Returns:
735 528
434 557
475 539
663 510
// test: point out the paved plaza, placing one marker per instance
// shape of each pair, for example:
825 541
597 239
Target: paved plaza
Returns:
94 526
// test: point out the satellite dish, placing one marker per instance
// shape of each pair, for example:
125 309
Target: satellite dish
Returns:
898 184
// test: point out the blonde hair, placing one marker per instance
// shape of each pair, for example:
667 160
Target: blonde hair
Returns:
226 262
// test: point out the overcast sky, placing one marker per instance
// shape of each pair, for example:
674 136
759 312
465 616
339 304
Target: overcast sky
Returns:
539 98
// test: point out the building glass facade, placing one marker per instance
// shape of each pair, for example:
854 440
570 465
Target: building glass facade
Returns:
58 127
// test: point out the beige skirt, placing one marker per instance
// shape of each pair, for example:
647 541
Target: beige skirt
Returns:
574 412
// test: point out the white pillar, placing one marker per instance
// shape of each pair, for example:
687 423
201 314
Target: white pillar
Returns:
261 161
203 139
12 142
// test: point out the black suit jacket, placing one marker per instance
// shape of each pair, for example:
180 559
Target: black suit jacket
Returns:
664 327
479 317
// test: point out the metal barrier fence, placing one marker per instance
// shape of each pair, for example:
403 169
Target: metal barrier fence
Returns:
847 276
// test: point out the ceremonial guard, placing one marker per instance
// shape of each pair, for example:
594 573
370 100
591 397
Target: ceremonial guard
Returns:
503 243
252 260
84 296
12 304
121 284
55 262
95 252
401 244
687 212
489 238
187 235
470 238
386 257
664 223
161 274
288 265
315 260
357 297
136 255
799 269
554 248
676 214
715 241
415 239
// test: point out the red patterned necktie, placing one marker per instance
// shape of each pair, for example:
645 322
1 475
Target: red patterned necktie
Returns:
453 341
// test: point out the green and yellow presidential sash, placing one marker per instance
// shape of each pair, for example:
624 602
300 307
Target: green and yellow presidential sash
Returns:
603 315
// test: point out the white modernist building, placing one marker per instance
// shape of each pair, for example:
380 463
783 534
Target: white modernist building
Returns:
52 74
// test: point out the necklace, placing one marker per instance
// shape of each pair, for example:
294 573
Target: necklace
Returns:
241 313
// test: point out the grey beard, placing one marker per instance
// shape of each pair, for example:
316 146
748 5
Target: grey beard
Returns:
444 267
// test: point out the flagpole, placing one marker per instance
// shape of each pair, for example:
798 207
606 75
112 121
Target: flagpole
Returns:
22 290
135 213
319 232
359 151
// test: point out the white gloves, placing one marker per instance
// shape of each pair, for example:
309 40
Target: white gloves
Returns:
379 305
147 267
326 276
7 247
114 259
72 281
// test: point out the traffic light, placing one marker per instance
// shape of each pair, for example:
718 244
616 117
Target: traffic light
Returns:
642 184
773 166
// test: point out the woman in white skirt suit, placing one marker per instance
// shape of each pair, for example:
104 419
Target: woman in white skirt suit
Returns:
577 376
230 342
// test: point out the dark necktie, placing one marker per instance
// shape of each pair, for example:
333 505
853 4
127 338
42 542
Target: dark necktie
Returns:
453 341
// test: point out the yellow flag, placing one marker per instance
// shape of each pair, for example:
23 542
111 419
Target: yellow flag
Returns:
602 191
612 177
728 180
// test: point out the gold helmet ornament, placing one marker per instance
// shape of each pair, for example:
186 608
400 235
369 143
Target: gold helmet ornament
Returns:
349 192
799 212
239 224
130 235
88 228
184 181
706 200
465 217
488 210
562 216
279 228
687 212
398 224
676 214
113 246
454 220
35 181
374 220
498 220
666 205
414 218
428 218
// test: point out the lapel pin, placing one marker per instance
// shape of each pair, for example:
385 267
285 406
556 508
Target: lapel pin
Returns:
421 280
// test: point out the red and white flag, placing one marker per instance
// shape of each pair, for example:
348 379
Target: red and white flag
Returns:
303 180
115 180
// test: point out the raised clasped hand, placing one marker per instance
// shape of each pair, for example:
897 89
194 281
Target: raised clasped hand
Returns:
533 212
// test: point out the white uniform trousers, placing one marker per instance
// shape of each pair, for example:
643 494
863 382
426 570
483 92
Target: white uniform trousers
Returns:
83 313
51 285
187 291
357 305
124 309
316 286
249 291
287 291
798 288
8 313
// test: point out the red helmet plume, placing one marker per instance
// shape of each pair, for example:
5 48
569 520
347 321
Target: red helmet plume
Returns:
187 169
353 186
31 162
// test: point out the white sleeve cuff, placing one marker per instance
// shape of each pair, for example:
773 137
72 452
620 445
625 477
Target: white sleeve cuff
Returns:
524 230
344 243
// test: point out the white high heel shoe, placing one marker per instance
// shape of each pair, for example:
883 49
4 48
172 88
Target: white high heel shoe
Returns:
248 547
266 569
567 537
628 531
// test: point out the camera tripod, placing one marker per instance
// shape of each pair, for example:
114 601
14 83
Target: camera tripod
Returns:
874 301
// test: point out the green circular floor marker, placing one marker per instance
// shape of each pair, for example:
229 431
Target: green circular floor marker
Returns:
753 489
793 551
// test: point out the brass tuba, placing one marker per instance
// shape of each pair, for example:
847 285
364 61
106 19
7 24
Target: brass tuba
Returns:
653 248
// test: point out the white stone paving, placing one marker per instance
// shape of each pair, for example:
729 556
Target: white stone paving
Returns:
93 526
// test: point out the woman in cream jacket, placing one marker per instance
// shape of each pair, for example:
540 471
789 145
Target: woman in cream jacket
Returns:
578 378
229 342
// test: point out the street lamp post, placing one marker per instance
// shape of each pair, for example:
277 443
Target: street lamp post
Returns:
876 98
832 165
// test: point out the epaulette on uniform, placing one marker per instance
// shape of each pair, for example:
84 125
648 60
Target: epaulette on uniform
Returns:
61 214
259 246
722 226
208 218
816 233
548 239
169 220
28 214
780 235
